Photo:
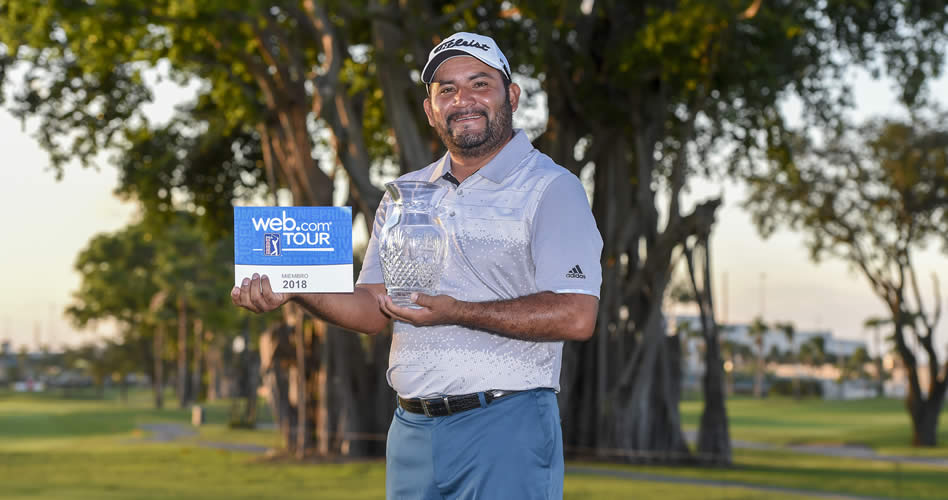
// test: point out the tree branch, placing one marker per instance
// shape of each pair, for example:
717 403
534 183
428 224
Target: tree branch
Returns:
697 222
316 22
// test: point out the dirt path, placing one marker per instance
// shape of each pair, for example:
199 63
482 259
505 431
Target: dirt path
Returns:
638 476
841 451
169 432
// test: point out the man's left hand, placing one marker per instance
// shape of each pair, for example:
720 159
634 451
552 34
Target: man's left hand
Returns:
435 309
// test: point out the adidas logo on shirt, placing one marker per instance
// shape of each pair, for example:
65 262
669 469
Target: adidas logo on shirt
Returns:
576 272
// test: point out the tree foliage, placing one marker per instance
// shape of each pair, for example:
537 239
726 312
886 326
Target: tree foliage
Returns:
649 94
194 163
641 96
872 196
115 278
122 274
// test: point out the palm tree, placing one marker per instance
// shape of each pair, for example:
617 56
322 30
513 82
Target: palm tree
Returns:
819 350
806 354
757 331
729 353
875 324
789 331
855 367
813 351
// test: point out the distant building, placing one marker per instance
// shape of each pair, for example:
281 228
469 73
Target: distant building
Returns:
18 367
843 347
775 340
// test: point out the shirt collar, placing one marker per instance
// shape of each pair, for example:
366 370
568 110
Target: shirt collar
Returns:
506 160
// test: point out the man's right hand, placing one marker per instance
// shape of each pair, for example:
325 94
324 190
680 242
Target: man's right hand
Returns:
255 294
358 310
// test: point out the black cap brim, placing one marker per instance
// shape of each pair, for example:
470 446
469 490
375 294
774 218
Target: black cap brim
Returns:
432 67
427 74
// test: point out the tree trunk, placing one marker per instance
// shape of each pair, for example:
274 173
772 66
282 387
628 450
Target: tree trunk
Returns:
355 384
274 347
402 96
301 397
351 403
158 383
629 373
287 148
759 373
253 382
714 438
581 406
880 377
589 368
648 424
925 414
324 420
212 359
197 371
182 377
286 367
880 386
925 425
795 379
370 429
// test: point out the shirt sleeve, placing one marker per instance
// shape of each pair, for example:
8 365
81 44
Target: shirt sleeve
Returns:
371 265
566 245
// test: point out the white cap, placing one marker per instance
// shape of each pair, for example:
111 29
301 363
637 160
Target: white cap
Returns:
466 44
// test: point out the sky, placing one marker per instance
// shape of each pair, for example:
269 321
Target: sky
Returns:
47 222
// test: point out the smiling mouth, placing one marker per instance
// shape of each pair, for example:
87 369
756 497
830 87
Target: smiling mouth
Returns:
466 117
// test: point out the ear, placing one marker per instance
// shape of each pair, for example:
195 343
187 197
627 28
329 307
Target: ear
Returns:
514 93
428 111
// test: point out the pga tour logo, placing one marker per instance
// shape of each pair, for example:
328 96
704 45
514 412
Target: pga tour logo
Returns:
271 244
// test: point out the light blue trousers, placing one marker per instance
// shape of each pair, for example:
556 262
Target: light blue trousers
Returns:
512 448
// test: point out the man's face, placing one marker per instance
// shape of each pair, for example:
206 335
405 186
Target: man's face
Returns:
469 107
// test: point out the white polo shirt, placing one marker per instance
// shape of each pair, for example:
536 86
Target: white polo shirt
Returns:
518 226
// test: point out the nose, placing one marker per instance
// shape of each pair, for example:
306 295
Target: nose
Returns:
463 97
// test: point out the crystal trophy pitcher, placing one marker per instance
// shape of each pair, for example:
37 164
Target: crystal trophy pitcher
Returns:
413 243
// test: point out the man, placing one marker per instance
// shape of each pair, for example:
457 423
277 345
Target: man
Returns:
476 367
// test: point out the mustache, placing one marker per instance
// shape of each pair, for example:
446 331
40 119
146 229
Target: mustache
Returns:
453 116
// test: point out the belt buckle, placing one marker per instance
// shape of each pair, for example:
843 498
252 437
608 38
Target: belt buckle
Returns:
427 410
424 407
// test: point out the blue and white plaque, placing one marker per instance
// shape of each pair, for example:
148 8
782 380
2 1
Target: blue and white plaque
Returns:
301 249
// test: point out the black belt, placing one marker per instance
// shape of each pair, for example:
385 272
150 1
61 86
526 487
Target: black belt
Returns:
449 405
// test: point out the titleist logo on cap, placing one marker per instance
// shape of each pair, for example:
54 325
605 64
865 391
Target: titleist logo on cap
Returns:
460 42
480 47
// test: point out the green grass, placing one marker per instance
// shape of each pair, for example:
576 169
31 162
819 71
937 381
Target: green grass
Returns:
881 424
168 471
51 448
38 420
79 449
117 469
595 487
817 473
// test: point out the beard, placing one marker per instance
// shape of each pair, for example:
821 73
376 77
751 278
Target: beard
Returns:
474 144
